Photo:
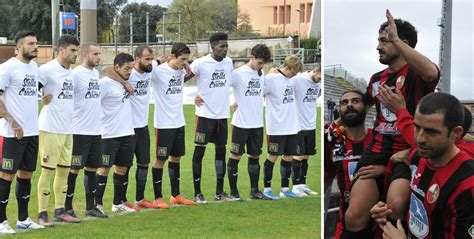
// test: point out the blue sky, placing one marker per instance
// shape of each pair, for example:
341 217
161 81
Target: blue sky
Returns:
163 3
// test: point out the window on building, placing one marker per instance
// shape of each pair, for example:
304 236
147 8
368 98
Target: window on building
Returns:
288 14
275 15
281 14
302 13
308 12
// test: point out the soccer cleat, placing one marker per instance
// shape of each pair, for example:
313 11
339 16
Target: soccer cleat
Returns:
289 194
134 207
309 192
147 204
199 199
28 224
100 207
180 200
122 208
5 228
61 215
160 203
71 213
235 197
44 220
269 194
222 197
95 212
257 195
298 190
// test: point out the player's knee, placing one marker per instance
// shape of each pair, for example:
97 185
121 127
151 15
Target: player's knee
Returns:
354 220
7 176
235 156
159 163
120 170
103 171
199 151
399 206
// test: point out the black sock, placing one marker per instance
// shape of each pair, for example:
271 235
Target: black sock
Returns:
254 173
232 173
125 183
141 175
4 194
364 233
119 188
296 169
173 172
304 170
197 168
90 186
22 192
71 187
268 173
220 169
101 184
157 174
285 172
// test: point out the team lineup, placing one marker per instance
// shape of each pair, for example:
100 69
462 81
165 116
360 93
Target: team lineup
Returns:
92 124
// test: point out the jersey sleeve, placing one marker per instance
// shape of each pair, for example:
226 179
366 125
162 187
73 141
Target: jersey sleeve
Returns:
195 66
266 85
43 75
406 127
462 211
4 77
368 95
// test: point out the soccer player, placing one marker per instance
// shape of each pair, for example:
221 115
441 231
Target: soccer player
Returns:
19 129
414 75
55 125
117 132
167 82
282 124
342 151
307 90
247 122
213 74
442 185
86 149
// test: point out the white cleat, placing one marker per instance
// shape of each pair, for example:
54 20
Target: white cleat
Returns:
5 228
122 208
28 224
309 192
298 190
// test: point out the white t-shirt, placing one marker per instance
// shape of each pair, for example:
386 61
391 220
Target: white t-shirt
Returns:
213 80
86 117
281 115
248 92
19 81
116 117
307 93
167 86
56 117
140 99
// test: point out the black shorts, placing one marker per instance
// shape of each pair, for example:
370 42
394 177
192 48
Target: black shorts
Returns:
282 144
400 170
141 145
86 151
210 130
370 158
241 137
117 151
19 154
306 140
169 142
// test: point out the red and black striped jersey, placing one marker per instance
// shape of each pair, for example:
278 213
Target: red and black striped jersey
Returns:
387 137
442 198
341 159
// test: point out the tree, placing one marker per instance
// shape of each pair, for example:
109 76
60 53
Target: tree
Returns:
139 21
107 11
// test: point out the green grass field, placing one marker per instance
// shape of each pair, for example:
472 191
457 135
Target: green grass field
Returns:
294 218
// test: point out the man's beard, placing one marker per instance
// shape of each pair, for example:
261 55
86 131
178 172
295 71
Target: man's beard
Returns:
144 68
28 55
389 58
352 121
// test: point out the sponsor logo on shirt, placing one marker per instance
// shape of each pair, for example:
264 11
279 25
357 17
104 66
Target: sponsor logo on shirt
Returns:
125 96
67 90
29 87
289 95
311 95
142 87
387 128
253 87
175 86
432 194
218 79
417 217
93 91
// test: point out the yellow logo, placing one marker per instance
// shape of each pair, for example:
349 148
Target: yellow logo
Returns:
76 160
200 137
162 151
234 148
105 159
273 147
7 164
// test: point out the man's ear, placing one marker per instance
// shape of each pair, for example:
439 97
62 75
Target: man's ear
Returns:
458 132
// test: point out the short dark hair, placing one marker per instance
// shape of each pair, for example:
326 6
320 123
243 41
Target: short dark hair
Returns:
179 49
66 40
261 51
87 46
445 104
356 92
140 49
22 34
122 58
406 31
467 121
218 36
